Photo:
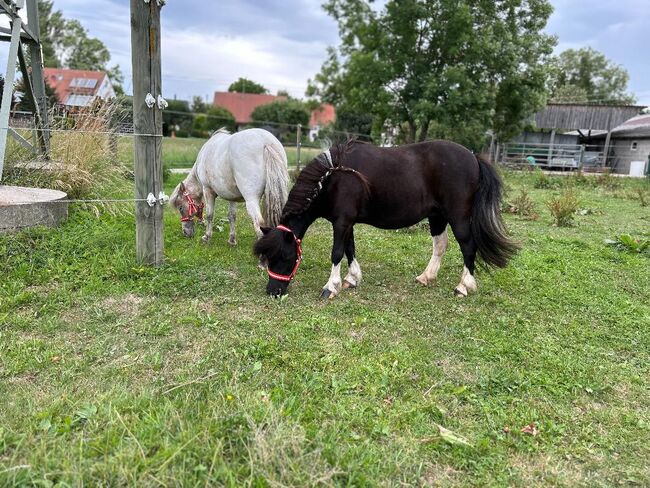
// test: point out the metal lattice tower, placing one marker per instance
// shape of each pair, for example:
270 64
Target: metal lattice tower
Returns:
21 34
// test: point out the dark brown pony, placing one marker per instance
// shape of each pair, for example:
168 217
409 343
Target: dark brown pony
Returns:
391 188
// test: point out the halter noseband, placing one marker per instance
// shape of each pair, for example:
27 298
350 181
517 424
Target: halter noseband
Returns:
288 277
193 210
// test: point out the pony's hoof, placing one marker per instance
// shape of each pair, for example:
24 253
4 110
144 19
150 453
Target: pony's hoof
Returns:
232 242
460 291
422 280
347 284
205 238
325 294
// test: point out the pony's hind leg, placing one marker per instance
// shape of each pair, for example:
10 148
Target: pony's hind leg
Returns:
210 197
468 247
253 209
232 217
438 229
353 278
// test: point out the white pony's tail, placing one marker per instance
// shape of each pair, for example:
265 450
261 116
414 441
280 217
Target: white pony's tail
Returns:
276 189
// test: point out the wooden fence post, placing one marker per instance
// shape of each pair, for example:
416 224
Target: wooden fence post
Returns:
147 125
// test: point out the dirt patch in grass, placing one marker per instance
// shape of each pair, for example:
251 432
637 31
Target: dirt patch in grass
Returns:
531 470
128 304
443 475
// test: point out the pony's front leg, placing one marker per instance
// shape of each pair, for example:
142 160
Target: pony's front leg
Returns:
333 285
232 217
353 278
210 197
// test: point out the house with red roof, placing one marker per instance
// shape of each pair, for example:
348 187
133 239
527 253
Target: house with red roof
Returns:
321 117
78 88
242 105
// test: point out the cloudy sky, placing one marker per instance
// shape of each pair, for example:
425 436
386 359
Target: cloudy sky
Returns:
281 43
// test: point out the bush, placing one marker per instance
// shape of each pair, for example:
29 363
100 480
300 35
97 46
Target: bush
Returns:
177 117
563 208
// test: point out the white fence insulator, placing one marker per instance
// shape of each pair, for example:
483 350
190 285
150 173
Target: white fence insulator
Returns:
162 198
150 100
162 103
151 199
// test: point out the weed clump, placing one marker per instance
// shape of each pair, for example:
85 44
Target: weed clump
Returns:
641 195
564 207
626 242
523 206
542 181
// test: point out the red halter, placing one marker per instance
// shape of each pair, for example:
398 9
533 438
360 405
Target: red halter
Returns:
193 209
288 277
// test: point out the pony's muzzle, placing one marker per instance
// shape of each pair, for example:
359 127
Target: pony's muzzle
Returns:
188 229
276 288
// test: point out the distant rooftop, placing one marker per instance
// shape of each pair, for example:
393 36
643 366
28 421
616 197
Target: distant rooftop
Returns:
242 105
77 88
584 116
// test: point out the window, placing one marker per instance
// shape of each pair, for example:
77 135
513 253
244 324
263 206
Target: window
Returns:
78 100
633 146
83 83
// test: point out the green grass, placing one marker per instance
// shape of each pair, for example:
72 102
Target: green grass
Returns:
181 152
115 374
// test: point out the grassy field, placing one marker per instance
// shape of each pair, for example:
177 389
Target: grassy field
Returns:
114 374
181 152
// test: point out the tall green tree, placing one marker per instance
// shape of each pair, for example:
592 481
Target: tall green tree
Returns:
439 68
52 27
587 75
354 124
198 105
67 44
244 85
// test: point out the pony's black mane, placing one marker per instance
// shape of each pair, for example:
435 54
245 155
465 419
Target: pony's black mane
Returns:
311 178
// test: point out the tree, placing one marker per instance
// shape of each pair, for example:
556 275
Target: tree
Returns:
66 44
443 68
213 119
290 112
587 74
355 124
570 94
177 118
23 105
198 105
52 26
2 89
244 85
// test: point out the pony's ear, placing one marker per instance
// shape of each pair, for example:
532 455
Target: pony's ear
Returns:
181 187
288 237
265 230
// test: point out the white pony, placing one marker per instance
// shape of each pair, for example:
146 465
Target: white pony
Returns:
236 167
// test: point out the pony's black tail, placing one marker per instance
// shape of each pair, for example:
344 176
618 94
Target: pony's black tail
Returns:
494 246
